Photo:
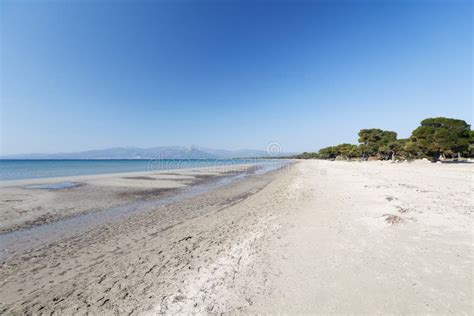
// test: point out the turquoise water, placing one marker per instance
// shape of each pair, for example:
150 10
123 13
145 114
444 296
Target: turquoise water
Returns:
32 169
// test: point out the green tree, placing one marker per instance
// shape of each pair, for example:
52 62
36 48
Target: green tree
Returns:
384 151
355 152
441 136
306 155
345 150
471 144
411 150
373 141
327 153
396 149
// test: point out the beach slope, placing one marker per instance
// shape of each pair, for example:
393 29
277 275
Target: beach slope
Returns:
314 237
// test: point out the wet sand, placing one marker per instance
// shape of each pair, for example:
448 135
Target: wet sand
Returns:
315 237
26 203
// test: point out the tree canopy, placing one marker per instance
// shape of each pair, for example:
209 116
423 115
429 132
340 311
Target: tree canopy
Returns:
346 151
371 140
434 138
441 136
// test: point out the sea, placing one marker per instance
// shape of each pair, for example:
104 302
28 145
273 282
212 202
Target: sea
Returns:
35 236
34 169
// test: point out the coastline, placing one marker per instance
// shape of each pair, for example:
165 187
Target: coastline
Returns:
30 202
252 247
91 177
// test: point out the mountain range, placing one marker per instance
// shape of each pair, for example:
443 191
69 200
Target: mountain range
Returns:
160 152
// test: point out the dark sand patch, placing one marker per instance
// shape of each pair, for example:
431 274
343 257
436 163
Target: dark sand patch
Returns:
147 193
139 178
393 219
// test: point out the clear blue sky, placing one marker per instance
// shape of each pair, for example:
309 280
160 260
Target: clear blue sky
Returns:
79 75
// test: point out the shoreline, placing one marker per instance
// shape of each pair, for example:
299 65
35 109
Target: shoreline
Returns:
85 167
252 247
88 177
25 205
49 228
168 222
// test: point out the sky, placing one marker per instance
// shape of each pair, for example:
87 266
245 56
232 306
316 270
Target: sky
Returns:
80 75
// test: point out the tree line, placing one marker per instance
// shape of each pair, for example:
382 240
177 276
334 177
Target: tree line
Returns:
435 138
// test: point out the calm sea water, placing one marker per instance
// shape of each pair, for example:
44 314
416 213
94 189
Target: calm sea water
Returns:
32 169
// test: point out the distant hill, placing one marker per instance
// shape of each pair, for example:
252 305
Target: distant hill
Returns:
161 152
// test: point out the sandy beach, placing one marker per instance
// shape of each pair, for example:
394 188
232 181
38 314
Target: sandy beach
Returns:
24 203
313 237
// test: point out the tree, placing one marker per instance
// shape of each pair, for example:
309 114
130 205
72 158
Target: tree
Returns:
354 152
346 150
306 155
411 150
441 136
471 144
327 153
374 141
435 137
384 152
397 148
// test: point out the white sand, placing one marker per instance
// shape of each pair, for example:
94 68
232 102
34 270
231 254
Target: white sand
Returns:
321 237
338 254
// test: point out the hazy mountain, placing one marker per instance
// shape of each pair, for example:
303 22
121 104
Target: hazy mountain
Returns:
163 152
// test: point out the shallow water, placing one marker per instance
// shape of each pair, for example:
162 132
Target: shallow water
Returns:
36 236
33 169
